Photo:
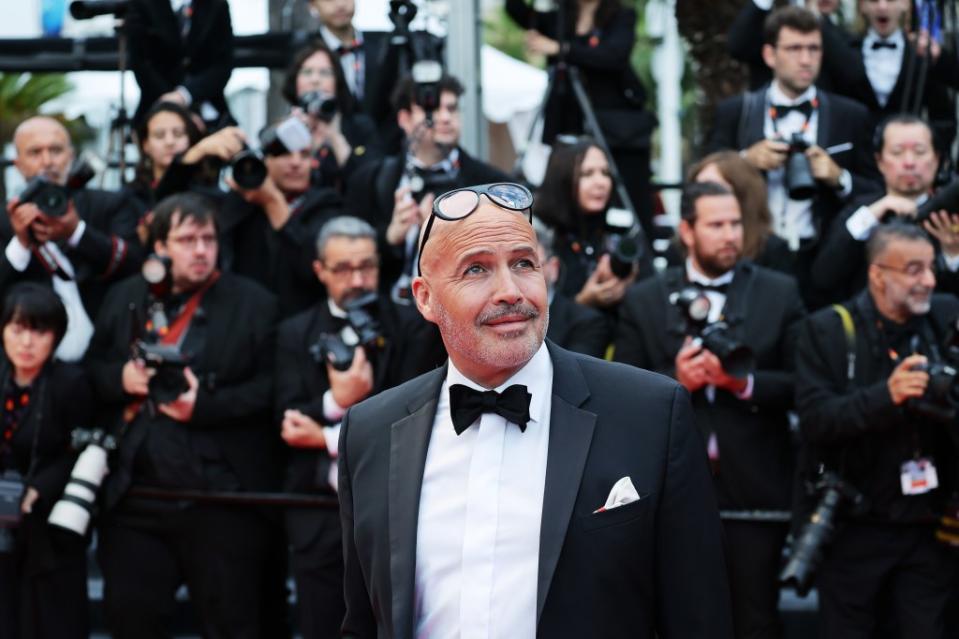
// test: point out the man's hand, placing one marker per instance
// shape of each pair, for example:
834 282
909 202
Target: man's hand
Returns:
30 497
823 167
53 229
136 378
22 217
717 375
353 384
906 383
301 431
603 289
537 43
406 213
925 44
767 155
903 207
690 366
181 408
223 144
945 228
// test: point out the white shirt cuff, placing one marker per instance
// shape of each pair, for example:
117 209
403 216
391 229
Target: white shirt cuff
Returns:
332 411
332 435
765 5
861 223
952 263
17 254
183 91
747 393
845 183
77 234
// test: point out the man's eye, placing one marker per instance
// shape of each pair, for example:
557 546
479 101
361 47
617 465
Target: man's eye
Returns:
474 269
525 263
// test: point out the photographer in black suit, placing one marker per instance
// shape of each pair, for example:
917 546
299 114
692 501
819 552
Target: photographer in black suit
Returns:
792 116
864 414
742 415
312 394
395 193
215 435
181 51
80 253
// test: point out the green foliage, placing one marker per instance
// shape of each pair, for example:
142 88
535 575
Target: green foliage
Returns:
22 95
501 32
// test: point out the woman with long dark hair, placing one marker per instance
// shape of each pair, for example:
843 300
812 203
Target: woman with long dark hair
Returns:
166 131
343 138
43 575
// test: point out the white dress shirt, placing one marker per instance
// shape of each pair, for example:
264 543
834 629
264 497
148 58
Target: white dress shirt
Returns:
883 65
477 545
349 61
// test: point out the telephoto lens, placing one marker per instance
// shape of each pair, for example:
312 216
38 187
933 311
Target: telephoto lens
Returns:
800 182
75 507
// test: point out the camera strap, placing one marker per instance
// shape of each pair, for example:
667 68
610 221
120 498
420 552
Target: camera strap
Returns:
849 329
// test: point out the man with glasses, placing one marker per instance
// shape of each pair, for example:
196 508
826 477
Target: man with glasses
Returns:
791 116
861 394
312 393
214 436
522 490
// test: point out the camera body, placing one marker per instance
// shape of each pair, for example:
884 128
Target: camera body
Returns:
625 241
799 179
75 508
737 359
362 329
289 136
167 362
53 199
319 105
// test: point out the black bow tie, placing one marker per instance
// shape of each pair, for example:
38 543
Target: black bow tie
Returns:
884 44
718 288
467 404
345 49
803 107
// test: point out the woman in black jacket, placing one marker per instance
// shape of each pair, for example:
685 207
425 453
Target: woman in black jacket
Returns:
343 138
43 576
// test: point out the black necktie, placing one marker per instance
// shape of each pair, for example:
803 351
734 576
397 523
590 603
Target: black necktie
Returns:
467 404
803 107
883 44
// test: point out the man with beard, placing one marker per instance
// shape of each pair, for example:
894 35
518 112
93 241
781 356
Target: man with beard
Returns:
522 490
907 160
80 253
215 435
312 393
861 385
740 409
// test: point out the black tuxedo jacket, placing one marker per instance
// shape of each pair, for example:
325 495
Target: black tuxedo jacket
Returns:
763 310
577 328
235 369
739 123
654 566
371 192
412 347
280 260
161 60
108 251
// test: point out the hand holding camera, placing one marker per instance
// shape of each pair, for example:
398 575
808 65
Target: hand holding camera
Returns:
301 431
823 167
136 378
22 217
46 228
690 365
894 205
945 228
224 144
407 212
604 288
353 384
908 380
181 408
767 155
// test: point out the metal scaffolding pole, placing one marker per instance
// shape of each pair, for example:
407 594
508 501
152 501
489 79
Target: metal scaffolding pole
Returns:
463 61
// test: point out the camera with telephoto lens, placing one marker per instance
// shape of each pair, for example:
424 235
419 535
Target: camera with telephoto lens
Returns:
86 9
75 507
320 105
806 551
944 199
799 180
737 359
53 199
625 242
362 329
289 136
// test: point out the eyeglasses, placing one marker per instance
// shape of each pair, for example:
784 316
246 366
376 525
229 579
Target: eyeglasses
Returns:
796 49
461 203
191 241
912 269
344 270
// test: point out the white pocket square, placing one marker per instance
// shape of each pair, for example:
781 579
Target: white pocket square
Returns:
623 493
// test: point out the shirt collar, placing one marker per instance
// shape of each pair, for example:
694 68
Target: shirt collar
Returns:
446 165
335 43
896 38
179 4
776 95
536 375
695 277
335 310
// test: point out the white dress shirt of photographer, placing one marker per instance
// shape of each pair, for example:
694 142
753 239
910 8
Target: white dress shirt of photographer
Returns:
348 268
43 149
339 34
908 162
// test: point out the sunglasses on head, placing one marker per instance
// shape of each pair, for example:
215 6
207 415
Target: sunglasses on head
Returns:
461 203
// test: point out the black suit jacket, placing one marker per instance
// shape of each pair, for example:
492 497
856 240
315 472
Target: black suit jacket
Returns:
161 60
108 251
739 123
577 328
763 310
232 411
412 347
627 572
371 192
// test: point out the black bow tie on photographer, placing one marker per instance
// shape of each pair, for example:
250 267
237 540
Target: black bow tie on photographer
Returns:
884 44
717 288
345 49
803 107
468 404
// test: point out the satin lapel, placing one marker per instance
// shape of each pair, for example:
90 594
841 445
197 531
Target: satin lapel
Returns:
900 90
570 434
825 136
409 441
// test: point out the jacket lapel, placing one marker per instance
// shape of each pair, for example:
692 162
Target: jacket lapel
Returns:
824 133
570 434
409 441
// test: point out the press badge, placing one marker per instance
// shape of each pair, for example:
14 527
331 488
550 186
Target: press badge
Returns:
918 476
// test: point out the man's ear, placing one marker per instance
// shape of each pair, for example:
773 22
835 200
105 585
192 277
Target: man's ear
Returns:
404 118
424 298
769 55
159 248
686 234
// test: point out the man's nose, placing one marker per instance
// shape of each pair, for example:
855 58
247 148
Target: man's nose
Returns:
507 291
